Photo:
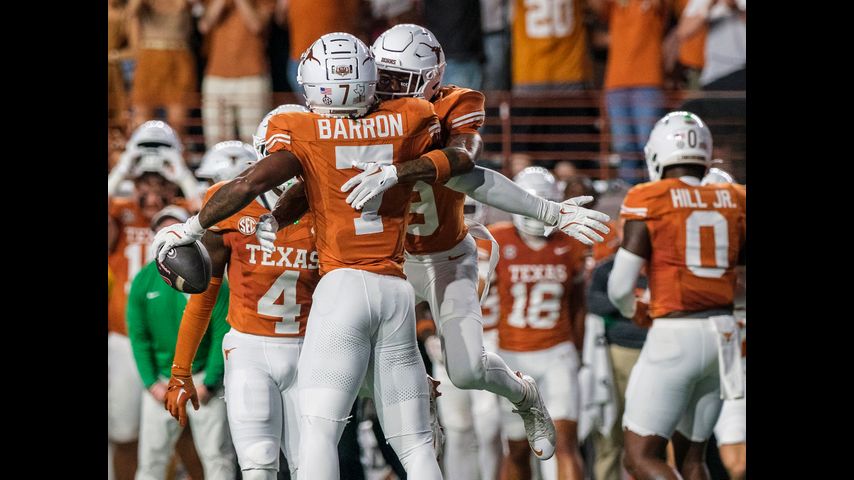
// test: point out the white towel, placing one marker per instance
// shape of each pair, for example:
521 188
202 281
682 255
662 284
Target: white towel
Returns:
729 357
479 231
596 380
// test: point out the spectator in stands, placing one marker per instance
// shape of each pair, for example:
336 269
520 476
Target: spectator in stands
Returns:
625 340
725 65
550 57
519 162
684 58
457 26
236 89
154 314
634 77
308 20
165 67
563 171
549 49
118 50
494 17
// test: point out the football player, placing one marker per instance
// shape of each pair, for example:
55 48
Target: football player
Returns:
441 256
690 237
364 311
731 428
540 280
263 346
152 160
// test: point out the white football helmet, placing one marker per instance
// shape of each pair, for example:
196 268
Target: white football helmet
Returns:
473 210
537 181
716 175
226 160
678 138
259 140
413 50
338 76
147 141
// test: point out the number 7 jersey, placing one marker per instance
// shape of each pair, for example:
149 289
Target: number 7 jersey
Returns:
696 233
397 131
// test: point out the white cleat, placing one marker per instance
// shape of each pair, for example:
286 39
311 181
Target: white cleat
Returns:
438 430
538 422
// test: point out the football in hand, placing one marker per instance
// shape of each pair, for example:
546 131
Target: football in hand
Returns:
186 268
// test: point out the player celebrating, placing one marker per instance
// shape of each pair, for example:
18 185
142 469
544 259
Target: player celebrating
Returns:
365 309
441 257
540 281
691 236
262 348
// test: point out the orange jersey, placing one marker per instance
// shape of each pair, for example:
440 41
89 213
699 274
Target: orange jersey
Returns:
549 42
635 52
129 255
696 234
270 294
308 20
437 223
397 131
534 289
490 307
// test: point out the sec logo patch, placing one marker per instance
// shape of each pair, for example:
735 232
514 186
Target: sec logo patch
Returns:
246 225
509 252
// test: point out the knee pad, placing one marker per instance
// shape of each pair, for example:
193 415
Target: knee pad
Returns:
264 453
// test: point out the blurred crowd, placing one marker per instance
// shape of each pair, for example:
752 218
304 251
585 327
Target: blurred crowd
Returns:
210 68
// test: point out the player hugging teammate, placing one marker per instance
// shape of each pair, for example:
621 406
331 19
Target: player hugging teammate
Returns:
370 139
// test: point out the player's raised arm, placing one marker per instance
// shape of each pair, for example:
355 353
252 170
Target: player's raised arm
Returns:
268 173
435 166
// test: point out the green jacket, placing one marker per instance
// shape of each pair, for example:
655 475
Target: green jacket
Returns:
154 313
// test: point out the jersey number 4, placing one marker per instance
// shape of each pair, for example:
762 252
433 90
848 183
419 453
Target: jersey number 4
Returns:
289 309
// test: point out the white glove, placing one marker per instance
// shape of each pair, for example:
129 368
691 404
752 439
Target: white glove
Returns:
175 169
578 222
177 235
376 179
433 347
265 232
121 171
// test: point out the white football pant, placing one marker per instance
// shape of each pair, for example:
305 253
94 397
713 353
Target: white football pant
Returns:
124 390
360 319
261 399
448 282
472 421
675 383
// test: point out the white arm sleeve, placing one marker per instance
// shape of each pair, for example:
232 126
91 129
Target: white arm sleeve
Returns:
624 277
494 189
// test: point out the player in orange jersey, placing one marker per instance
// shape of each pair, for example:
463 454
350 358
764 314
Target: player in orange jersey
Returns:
441 258
270 298
364 309
690 237
540 281
152 160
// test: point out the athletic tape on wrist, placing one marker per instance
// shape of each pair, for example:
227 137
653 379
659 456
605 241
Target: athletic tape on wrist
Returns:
442 164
